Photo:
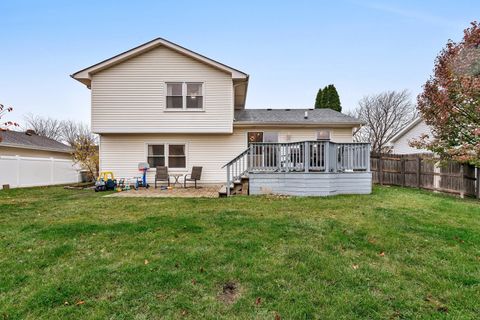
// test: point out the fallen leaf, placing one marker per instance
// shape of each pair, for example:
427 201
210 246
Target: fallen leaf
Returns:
355 266
145 262
258 301
277 316
80 302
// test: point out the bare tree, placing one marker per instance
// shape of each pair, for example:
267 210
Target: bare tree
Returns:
77 135
73 131
46 127
384 114
65 131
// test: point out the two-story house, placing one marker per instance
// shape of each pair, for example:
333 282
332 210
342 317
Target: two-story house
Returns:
169 106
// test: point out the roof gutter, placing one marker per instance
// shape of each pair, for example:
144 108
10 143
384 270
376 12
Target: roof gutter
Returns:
296 124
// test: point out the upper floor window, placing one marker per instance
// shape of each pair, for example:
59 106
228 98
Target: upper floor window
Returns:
184 96
175 95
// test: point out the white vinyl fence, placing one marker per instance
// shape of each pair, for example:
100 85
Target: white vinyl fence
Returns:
28 172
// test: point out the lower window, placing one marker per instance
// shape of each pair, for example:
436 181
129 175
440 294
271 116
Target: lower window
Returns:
168 155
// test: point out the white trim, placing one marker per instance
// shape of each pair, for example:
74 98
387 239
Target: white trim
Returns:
85 75
184 96
405 129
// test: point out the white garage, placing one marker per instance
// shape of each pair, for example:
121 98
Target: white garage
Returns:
28 160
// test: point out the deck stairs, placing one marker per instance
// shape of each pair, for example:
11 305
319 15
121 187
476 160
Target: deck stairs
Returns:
238 187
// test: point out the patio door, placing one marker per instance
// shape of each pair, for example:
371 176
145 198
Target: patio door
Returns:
263 155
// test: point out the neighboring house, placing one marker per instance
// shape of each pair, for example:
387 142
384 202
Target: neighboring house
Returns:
400 143
170 106
27 159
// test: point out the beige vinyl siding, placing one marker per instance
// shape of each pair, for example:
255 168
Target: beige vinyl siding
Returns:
22 152
121 153
130 97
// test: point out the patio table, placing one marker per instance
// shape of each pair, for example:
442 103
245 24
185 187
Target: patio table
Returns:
176 176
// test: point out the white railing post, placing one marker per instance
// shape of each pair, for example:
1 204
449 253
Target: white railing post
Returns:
228 180
306 156
326 155
368 157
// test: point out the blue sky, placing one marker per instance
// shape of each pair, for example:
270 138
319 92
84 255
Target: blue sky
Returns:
289 48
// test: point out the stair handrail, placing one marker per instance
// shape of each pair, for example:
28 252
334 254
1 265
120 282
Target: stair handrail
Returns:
234 161
244 152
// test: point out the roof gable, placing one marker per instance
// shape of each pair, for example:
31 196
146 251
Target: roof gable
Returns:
84 75
406 129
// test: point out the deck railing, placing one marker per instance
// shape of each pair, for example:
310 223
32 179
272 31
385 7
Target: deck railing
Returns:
304 156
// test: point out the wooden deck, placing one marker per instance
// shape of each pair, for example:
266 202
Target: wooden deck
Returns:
310 168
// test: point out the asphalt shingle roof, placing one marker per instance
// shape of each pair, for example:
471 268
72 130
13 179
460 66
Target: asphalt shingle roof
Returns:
293 116
22 140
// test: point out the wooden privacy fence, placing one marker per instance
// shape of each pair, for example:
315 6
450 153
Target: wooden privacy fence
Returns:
425 171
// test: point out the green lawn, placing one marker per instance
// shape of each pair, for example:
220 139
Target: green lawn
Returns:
398 253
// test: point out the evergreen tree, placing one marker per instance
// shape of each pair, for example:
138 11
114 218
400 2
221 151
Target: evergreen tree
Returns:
328 98
333 99
318 99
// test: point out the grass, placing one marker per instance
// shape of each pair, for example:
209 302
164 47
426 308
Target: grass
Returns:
398 254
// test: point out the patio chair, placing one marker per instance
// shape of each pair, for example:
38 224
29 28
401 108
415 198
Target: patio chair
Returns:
194 176
162 175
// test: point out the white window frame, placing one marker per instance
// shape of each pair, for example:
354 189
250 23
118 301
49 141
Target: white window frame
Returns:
184 97
167 153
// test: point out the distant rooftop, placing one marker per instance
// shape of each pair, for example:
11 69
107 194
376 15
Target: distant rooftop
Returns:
294 116
17 139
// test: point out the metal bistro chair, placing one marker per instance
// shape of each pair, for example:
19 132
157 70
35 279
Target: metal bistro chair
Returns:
194 176
162 175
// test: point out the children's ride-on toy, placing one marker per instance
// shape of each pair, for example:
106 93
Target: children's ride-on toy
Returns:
105 182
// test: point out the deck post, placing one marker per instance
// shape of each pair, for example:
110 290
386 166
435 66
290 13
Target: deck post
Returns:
369 151
228 180
327 156
306 156
279 157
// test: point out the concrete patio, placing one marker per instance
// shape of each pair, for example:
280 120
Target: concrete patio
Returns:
176 192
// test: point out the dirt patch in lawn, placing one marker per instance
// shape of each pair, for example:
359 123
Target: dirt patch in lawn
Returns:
230 292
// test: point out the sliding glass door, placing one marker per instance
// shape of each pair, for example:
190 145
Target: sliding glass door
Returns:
265 154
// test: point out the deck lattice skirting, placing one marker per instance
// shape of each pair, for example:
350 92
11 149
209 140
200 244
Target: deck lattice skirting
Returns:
303 168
